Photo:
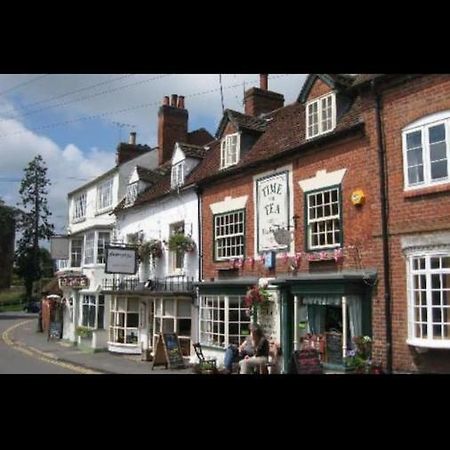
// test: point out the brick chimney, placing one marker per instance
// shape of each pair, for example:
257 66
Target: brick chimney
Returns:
172 126
260 100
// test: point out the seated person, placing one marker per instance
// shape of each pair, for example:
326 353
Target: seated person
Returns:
260 351
234 354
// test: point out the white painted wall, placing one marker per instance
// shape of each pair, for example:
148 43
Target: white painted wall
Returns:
154 221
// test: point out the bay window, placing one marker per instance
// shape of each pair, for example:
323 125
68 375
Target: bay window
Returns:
124 320
92 311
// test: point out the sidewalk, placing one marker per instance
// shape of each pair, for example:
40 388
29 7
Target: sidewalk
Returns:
102 362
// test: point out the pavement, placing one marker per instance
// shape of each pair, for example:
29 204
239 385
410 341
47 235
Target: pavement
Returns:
25 335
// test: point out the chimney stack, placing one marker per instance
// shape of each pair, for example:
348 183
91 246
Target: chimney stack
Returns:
260 100
264 81
132 139
172 126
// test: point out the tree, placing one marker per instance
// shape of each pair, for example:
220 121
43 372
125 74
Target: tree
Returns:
7 233
33 222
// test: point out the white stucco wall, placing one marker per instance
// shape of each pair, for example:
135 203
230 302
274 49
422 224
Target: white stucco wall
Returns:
154 221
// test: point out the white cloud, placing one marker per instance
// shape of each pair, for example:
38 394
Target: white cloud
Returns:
70 165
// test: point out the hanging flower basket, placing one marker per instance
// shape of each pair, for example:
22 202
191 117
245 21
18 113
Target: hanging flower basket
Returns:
180 241
150 248
257 299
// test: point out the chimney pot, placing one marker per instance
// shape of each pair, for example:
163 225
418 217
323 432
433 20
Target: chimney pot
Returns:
181 102
264 81
165 100
132 139
173 100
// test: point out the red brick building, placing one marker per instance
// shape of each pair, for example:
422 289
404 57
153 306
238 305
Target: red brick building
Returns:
341 199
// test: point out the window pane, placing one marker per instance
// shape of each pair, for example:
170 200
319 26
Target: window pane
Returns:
414 139
435 263
414 157
437 151
184 308
437 133
439 169
415 174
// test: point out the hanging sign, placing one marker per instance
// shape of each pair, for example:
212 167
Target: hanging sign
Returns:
121 260
272 199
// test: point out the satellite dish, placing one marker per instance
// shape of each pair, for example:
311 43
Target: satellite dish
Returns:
282 236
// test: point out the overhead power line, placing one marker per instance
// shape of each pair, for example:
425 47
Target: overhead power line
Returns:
24 83
91 86
124 110
96 94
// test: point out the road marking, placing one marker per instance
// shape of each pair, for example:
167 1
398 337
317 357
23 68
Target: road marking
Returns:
38 354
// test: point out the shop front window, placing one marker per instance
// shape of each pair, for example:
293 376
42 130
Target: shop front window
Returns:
92 311
320 325
173 315
224 320
124 320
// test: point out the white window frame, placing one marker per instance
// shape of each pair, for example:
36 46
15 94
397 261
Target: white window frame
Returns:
132 193
227 158
93 302
74 252
86 248
79 207
104 242
114 325
320 110
423 125
176 257
162 316
427 272
328 220
177 175
227 238
212 314
105 195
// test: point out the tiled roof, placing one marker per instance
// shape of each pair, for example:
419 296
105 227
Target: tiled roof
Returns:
365 77
285 131
199 137
241 121
193 151
145 174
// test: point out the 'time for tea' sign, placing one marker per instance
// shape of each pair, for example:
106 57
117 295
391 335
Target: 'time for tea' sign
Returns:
272 198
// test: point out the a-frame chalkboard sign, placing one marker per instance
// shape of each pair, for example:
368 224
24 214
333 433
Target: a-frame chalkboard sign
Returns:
168 352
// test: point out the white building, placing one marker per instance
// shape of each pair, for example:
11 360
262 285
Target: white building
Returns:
90 229
160 209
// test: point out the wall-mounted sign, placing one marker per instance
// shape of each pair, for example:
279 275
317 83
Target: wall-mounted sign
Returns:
272 199
59 247
74 281
121 260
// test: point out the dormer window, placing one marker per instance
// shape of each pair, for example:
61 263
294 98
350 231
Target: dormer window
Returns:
320 115
132 192
177 174
230 150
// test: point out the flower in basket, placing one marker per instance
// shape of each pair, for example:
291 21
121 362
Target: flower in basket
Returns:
180 241
255 298
359 357
152 247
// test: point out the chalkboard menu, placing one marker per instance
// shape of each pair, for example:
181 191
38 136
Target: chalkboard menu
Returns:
306 362
334 348
173 351
168 352
55 330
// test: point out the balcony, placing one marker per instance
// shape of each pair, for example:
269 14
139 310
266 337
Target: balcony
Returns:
154 285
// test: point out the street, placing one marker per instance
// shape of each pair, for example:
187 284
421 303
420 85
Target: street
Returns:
17 360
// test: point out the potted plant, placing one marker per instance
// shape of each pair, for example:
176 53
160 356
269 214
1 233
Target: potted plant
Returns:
84 332
150 248
180 241
256 299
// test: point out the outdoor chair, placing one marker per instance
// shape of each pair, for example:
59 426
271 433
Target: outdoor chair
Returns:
205 363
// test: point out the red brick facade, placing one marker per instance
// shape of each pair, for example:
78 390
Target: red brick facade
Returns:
409 212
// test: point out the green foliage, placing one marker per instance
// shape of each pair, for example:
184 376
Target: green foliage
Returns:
152 247
180 241
33 223
83 332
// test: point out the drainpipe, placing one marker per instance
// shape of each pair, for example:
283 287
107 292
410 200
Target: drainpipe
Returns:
200 255
384 224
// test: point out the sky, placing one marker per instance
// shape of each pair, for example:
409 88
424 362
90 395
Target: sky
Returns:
75 121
